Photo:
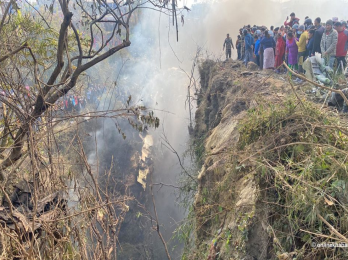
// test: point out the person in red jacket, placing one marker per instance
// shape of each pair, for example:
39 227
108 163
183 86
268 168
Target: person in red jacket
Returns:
293 20
280 51
342 46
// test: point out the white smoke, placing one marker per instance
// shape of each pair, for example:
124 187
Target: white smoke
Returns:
154 73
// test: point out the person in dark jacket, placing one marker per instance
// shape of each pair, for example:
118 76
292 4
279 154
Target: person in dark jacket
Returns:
317 36
308 22
309 46
242 44
239 47
268 45
228 44
261 50
249 42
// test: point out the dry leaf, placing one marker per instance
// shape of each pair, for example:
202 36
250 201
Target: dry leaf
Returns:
328 202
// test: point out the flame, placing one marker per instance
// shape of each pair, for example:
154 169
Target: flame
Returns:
145 152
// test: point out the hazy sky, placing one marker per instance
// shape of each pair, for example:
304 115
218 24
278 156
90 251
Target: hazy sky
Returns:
227 16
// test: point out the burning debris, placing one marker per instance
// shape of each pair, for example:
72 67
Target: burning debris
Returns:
146 163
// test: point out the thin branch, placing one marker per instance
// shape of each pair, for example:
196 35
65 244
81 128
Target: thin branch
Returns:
157 222
316 84
333 229
3 58
170 148
42 17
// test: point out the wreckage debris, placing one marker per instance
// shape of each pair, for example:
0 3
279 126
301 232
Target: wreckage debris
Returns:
246 73
145 160
18 213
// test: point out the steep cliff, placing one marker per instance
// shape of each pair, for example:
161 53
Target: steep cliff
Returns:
272 182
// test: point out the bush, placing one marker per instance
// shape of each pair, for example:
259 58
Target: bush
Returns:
300 155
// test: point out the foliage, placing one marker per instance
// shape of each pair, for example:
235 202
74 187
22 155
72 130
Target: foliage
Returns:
44 54
300 155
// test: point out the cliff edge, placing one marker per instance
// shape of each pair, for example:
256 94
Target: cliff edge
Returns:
273 176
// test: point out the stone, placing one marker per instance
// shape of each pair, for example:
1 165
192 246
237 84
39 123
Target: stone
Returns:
252 66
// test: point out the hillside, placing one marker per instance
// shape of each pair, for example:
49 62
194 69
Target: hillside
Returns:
273 176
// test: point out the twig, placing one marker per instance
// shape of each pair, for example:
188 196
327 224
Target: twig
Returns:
157 222
293 89
333 229
167 185
24 46
87 210
316 84
320 235
170 147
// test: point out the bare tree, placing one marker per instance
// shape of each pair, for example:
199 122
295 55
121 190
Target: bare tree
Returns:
45 53
52 81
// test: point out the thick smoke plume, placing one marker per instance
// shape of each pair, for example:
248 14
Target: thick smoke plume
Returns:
227 16
154 75
153 71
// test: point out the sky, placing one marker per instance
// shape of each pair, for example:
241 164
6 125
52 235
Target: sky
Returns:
228 16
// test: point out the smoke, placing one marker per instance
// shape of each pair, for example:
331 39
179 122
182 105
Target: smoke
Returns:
154 74
153 70
227 16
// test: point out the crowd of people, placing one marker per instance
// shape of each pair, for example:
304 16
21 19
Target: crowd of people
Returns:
74 102
293 43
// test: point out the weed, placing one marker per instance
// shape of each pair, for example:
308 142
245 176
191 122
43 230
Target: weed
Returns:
301 156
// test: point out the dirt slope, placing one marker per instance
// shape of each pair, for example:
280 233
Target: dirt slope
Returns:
232 219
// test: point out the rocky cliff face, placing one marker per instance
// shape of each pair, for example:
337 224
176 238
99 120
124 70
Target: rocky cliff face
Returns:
273 176
226 204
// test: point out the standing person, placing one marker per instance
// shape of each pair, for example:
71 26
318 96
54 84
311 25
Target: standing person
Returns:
309 46
76 100
328 44
301 44
242 44
249 42
293 20
268 47
71 105
282 30
291 50
229 45
317 36
280 51
261 47
256 49
239 47
308 22
66 103
342 46
295 31
275 32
